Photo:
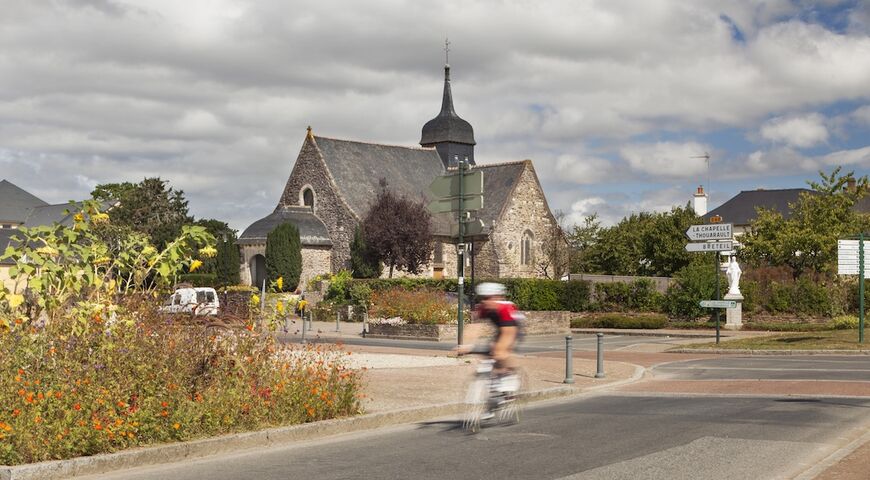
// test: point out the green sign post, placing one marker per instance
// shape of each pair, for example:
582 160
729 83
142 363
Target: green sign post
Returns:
458 193
716 237
850 261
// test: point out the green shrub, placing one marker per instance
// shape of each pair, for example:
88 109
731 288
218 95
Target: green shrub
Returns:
227 263
612 296
360 294
707 324
338 290
614 320
844 322
284 256
575 296
780 299
199 279
692 283
534 294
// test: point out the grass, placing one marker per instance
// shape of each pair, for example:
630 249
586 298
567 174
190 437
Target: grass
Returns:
822 340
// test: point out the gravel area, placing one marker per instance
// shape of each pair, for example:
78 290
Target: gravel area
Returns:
388 360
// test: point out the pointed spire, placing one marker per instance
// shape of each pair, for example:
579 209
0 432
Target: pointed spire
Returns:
447 99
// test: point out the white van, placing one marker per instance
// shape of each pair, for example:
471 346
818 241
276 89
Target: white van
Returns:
196 301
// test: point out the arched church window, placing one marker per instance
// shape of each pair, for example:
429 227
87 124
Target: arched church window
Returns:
526 252
439 253
308 198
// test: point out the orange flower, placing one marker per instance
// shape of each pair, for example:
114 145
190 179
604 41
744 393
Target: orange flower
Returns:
121 404
21 371
119 422
17 378
77 406
37 419
40 396
58 394
97 426
164 404
176 426
21 392
164 413
16 412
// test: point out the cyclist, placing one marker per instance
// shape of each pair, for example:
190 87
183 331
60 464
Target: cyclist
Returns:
507 320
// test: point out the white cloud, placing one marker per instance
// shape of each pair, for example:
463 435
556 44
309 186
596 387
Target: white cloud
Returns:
859 157
667 159
801 131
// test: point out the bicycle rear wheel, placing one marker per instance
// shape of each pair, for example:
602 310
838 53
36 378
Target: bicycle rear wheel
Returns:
510 411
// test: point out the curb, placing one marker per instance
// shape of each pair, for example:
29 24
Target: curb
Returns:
735 351
834 458
647 333
233 443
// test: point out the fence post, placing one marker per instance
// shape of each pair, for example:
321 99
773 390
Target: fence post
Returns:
569 360
600 357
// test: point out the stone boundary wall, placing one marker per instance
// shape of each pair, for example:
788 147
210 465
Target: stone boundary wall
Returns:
661 283
537 323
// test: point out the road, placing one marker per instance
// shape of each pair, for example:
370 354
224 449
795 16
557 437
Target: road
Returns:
598 437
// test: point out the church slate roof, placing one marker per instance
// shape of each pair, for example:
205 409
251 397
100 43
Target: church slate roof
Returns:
311 230
447 126
15 202
357 168
499 180
740 210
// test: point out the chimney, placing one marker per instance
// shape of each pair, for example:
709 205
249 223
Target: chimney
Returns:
699 202
850 185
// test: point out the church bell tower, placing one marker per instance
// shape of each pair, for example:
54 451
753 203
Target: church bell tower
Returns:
451 136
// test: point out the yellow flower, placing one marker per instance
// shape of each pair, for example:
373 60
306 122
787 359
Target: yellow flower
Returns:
15 300
279 307
195 265
280 283
100 218
78 217
102 260
208 252
46 250
149 250
255 299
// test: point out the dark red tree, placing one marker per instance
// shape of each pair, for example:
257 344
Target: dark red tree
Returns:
398 230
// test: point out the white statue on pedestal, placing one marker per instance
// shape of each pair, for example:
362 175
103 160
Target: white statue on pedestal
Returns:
733 273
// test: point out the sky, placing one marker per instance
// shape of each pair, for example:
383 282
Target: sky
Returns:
615 101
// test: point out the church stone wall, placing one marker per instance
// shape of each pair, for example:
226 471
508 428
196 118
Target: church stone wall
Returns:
309 170
527 210
315 260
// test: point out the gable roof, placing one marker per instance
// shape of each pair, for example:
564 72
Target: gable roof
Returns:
499 182
357 168
60 213
311 230
5 237
15 202
740 210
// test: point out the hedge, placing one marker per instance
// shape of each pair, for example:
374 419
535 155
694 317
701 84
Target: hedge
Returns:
199 279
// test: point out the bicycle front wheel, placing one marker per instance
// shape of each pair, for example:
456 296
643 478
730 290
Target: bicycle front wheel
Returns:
476 397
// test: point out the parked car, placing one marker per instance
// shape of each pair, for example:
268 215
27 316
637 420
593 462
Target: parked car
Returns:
196 301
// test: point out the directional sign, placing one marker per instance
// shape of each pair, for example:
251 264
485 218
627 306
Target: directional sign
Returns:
444 205
709 247
715 231
847 257
448 185
472 227
718 303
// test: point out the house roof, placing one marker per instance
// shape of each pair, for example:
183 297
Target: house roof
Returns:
5 237
15 202
311 230
60 213
447 126
357 168
741 209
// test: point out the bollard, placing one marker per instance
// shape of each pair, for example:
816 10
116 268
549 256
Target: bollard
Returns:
365 323
337 317
303 330
309 320
600 363
569 360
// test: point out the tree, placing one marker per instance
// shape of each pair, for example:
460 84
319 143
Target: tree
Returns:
363 262
284 256
643 243
226 265
556 257
807 240
398 231
149 207
581 238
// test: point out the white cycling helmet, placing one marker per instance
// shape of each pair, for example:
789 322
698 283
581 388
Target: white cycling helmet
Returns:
490 289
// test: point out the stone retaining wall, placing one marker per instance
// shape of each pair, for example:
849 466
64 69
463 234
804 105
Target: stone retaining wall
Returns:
537 323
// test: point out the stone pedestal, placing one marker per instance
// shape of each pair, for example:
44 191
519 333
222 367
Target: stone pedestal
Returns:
734 316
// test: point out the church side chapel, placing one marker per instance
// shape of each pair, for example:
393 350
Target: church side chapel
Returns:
333 183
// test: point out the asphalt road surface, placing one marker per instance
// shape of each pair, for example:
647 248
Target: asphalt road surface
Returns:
769 367
599 437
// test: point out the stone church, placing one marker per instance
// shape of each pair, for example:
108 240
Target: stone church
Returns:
333 183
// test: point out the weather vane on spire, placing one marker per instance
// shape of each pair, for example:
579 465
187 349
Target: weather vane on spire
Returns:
447 51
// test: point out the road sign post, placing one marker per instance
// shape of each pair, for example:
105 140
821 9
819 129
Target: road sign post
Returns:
851 261
718 303
716 237
861 287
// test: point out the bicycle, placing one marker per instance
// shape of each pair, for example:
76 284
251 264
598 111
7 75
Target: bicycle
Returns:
493 398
